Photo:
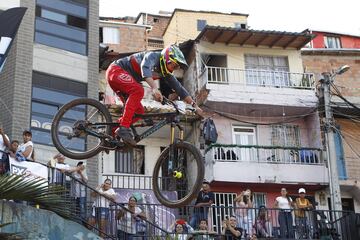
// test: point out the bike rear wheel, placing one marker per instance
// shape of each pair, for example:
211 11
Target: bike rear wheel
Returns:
77 126
177 185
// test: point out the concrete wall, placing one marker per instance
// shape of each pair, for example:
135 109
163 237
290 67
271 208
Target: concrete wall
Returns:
15 79
60 63
93 77
34 223
183 24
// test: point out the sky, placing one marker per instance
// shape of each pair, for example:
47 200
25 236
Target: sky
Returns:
341 16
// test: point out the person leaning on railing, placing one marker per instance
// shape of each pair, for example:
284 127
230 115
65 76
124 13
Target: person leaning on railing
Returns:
129 222
285 204
230 230
101 212
302 204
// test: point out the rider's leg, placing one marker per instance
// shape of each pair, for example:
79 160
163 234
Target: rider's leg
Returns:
120 80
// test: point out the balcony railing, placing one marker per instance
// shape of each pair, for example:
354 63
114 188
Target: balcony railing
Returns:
265 154
262 78
130 181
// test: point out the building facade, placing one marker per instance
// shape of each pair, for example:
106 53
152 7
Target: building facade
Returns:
326 53
53 60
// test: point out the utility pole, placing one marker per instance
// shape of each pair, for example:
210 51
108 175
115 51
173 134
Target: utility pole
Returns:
335 194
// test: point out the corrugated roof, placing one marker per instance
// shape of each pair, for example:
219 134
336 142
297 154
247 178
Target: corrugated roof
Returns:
256 38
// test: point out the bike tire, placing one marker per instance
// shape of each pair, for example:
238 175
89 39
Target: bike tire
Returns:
56 121
197 184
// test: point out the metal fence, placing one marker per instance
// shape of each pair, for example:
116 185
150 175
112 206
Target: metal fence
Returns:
264 78
266 154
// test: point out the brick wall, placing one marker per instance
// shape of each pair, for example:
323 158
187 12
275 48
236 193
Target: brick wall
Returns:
350 88
349 80
158 27
15 80
351 132
132 39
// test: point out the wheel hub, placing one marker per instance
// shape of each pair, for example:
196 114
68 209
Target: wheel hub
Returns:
79 128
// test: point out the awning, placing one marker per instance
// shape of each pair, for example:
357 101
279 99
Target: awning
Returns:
227 35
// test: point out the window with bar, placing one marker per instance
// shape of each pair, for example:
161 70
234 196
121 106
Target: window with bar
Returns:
285 135
130 161
223 207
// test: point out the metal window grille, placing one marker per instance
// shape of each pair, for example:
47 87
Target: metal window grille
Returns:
285 135
130 160
223 207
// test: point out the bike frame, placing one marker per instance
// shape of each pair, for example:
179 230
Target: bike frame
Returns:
171 117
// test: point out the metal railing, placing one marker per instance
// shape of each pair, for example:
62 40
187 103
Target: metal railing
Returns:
130 181
265 154
252 77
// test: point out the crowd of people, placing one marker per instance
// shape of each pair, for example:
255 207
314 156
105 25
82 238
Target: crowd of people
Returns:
245 220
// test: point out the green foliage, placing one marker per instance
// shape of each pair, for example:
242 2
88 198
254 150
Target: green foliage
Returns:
36 191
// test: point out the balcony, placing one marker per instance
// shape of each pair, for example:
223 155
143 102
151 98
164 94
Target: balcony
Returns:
265 164
232 85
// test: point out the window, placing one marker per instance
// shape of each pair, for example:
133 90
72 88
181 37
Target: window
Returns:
216 66
340 161
244 136
285 135
110 35
267 71
130 160
201 24
223 207
156 20
240 25
49 93
62 24
332 42
259 199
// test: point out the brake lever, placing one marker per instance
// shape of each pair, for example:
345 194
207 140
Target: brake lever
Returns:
169 102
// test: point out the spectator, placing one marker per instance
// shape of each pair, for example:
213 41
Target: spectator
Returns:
4 159
102 204
262 224
230 230
302 204
78 190
243 214
284 203
13 148
181 230
25 150
202 233
130 221
58 174
203 201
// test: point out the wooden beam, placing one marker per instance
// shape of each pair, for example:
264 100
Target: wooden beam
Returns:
290 42
217 36
232 37
275 41
261 40
244 41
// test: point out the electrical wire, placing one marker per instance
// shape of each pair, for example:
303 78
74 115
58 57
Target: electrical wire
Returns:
292 119
350 146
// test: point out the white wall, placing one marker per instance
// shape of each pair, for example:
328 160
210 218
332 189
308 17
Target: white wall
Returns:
60 63
5 4
269 173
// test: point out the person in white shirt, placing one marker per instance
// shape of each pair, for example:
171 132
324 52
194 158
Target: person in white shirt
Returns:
4 144
128 223
78 189
25 150
103 197
285 204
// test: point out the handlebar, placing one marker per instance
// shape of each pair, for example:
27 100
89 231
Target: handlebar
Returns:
172 103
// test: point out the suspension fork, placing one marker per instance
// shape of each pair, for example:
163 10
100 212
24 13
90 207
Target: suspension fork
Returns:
172 143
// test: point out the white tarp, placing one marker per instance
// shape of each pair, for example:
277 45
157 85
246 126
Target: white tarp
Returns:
31 169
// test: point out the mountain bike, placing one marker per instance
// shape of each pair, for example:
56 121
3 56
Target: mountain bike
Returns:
82 128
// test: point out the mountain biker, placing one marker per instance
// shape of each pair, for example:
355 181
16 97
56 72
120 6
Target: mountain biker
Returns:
126 74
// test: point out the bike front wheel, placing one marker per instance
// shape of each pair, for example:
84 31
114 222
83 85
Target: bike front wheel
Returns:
78 128
178 175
